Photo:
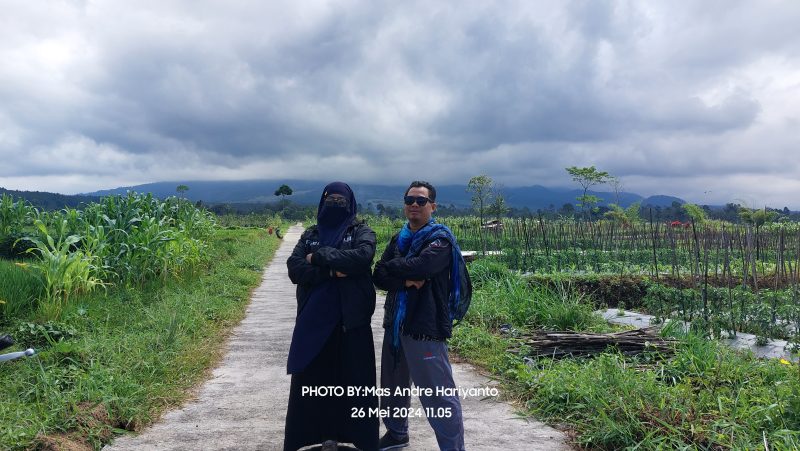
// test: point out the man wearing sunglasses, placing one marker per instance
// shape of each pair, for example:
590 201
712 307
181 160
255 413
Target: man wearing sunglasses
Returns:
415 270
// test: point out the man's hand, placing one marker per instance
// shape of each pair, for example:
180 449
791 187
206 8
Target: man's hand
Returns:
308 257
340 274
415 283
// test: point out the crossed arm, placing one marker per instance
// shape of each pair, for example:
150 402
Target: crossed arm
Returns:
393 272
326 262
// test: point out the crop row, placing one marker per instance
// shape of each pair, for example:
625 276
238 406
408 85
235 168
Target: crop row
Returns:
122 240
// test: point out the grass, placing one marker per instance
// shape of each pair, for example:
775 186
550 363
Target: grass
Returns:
127 354
18 289
504 297
706 396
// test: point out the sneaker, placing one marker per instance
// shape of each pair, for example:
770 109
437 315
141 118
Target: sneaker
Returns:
389 442
329 445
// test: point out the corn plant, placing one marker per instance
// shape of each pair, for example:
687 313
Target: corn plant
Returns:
62 271
14 215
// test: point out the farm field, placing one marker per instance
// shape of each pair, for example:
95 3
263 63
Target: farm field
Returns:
701 396
128 301
732 277
127 304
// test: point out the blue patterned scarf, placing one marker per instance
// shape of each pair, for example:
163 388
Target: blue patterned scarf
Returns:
410 245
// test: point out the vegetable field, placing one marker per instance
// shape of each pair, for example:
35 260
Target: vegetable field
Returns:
729 277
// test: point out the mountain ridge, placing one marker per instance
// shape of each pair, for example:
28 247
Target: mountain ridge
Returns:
307 193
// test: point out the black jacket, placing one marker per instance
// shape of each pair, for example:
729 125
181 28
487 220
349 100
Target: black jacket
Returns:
427 311
353 257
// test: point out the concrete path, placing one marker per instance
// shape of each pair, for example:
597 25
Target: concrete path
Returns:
243 406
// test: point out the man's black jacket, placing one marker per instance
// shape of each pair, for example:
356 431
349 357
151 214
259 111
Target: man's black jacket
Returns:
353 257
427 311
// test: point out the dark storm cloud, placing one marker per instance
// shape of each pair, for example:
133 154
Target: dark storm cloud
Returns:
661 93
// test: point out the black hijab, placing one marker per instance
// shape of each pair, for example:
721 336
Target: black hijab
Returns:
333 220
323 310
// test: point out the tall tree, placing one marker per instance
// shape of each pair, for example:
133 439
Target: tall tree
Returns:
497 207
283 191
181 190
586 178
481 188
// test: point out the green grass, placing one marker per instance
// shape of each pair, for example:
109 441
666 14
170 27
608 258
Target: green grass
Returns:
128 354
18 290
504 297
706 396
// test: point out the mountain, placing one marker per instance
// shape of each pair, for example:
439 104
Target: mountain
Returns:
661 201
308 192
50 201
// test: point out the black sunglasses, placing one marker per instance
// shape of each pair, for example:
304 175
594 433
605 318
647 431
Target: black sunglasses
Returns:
420 200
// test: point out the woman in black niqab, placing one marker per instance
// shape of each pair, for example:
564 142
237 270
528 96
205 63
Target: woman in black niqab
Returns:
326 352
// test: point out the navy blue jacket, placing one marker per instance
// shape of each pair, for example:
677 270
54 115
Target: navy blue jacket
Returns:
427 311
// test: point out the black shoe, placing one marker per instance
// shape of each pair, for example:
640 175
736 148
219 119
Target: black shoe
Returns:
389 442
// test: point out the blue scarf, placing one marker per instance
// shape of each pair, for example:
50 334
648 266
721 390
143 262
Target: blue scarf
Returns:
410 244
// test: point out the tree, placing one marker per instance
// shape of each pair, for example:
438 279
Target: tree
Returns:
624 216
481 188
283 191
586 178
567 210
758 217
498 206
617 186
696 212
181 189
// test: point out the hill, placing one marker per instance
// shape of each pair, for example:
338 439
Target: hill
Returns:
50 201
307 193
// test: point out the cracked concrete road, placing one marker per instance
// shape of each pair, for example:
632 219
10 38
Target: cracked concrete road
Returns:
243 405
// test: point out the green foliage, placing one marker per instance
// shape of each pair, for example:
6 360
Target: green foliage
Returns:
124 240
131 352
38 336
19 290
62 270
14 215
603 289
504 297
481 188
757 217
624 216
483 271
706 396
696 212
587 177
283 190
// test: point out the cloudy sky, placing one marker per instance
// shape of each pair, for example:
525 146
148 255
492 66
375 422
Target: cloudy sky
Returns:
699 99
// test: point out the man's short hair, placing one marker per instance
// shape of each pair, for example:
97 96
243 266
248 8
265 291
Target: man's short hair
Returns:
421 184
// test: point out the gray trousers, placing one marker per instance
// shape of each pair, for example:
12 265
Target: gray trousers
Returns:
426 364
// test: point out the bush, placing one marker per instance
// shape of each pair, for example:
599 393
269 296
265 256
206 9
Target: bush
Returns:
482 271
608 290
